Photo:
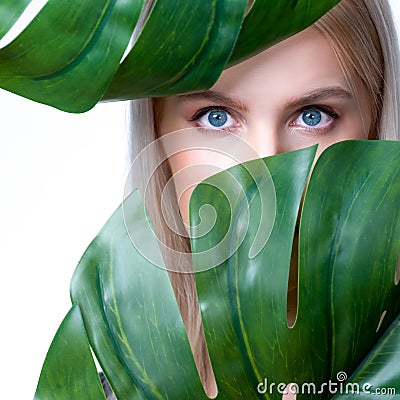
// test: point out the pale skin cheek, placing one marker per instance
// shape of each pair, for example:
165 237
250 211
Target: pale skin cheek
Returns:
192 167
186 182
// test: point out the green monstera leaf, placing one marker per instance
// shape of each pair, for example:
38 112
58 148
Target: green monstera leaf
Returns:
71 55
69 364
349 241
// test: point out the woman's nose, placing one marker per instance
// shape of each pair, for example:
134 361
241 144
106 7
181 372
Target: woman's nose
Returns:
265 141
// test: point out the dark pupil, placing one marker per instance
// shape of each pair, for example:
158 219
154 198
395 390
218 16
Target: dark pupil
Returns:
217 118
312 117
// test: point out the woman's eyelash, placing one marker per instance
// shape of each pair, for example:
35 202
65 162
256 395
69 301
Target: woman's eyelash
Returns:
325 109
314 119
311 118
200 113
216 118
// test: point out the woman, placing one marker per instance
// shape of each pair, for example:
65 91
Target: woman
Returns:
334 81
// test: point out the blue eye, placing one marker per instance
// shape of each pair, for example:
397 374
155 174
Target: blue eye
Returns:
314 119
217 118
311 117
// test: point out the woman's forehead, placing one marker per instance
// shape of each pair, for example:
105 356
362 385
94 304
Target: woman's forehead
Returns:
299 64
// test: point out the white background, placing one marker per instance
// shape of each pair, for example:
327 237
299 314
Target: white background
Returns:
61 177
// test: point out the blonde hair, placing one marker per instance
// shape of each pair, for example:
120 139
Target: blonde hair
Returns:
363 36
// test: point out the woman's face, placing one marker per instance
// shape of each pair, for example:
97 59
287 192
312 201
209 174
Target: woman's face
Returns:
292 95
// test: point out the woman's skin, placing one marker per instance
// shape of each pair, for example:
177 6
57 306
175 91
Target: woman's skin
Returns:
290 96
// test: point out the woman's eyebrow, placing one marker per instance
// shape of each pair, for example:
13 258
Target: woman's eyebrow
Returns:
319 95
216 97
314 96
